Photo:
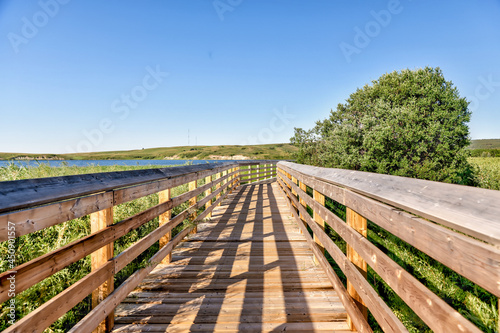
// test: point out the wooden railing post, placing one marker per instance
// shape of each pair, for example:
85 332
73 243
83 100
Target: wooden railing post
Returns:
232 180
208 179
98 221
320 198
303 187
238 176
359 223
164 196
224 173
192 186
217 176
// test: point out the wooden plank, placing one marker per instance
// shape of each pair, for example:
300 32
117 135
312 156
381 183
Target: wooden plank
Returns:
252 179
126 256
217 176
357 320
44 266
473 211
380 311
237 327
303 187
333 192
139 191
475 260
320 198
99 221
192 202
39 218
452 249
42 317
251 293
40 268
27 193
358 223
208 180
164 218
435 312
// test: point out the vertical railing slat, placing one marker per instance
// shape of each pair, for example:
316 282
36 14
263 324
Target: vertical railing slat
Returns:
359 223
320 198
192 186
208 179
98 221
164 196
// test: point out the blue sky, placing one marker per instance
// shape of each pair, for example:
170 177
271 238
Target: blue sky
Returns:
119 74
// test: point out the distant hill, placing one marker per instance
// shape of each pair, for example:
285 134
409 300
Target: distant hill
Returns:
485 144
281 151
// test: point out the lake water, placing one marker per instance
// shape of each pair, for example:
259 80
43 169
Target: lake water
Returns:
82 163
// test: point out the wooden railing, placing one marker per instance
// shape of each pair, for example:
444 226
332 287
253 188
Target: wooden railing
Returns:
27 206
456 225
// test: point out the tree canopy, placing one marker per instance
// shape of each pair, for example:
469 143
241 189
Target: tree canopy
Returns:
410 123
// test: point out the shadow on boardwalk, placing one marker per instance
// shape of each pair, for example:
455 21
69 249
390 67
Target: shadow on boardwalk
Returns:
247 269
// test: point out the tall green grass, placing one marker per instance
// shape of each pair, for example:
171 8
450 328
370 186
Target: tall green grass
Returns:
44 241
487 171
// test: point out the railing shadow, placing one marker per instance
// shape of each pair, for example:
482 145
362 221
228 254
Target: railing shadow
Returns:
228 257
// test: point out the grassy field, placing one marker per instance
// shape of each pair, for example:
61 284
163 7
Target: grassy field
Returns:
485 144
487 172
271 151
470 300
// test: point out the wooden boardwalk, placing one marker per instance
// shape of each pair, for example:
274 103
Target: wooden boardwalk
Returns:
247 269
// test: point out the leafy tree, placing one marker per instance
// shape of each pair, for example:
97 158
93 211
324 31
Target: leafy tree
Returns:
411 123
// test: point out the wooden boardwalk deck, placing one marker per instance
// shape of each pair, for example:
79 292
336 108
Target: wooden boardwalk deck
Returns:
247 269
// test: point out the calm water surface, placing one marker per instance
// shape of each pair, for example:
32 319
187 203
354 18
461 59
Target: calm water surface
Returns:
83 163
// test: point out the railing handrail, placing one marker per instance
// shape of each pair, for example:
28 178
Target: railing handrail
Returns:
396 204
36 204
19 194
471 210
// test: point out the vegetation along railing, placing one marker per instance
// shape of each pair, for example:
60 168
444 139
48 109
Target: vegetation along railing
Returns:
27 206
457 226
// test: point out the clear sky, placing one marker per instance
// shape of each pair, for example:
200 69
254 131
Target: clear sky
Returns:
80 75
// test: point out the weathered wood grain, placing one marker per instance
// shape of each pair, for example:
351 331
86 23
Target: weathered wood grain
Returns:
435 312
99 221
27 193
475 260
380 311
473 211
41 318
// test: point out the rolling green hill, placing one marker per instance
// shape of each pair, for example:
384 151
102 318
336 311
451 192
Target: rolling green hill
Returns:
485 144
279 151
270 151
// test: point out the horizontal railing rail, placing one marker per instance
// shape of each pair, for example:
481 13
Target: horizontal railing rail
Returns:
456 225
27 206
